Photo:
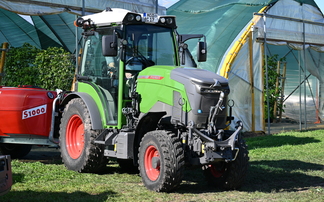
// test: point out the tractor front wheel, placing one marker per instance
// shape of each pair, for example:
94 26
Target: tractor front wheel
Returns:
78 151
229 175
161 161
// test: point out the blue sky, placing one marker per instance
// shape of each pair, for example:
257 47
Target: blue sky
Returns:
168 3
320 4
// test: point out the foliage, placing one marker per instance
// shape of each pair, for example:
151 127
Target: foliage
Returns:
19 66
55 69
49 69
273 91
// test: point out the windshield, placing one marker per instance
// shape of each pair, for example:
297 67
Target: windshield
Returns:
148 45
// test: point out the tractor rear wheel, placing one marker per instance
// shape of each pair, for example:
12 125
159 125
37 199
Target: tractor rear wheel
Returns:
78 150
16 151
229 175
161 161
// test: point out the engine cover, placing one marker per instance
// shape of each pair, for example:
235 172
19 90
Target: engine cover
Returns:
203 89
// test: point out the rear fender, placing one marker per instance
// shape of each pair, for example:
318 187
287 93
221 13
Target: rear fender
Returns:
91 105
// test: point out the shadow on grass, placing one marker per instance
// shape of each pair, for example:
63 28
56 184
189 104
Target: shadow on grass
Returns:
282 175
277 141
194 182
33 196
113 167
44 155
263 176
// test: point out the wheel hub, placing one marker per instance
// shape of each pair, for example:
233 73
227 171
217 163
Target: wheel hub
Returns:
155 162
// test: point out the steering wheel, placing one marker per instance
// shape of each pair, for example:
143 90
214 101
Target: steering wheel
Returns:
130 59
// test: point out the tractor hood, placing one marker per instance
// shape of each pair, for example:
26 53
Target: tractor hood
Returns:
200 77
203 89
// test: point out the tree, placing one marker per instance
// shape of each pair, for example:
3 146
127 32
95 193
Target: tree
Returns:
19 66
49 69
55 68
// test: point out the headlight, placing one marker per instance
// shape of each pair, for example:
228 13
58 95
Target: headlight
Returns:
138 18
162 20
130 17
208 90
169 21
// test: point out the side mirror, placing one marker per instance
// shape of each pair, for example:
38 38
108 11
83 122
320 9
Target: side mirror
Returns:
202 51
109 45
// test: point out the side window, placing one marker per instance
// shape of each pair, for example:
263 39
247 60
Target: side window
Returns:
103 71
86 59
111 65
92 60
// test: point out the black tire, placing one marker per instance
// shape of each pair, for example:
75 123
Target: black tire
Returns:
16 151
161 161
78 150
231 175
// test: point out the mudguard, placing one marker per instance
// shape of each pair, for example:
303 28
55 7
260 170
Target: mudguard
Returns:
91 105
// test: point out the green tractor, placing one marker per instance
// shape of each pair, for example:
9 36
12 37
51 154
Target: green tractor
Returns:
136 100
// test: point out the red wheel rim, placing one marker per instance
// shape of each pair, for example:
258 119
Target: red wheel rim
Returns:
75 136
152 171
216 172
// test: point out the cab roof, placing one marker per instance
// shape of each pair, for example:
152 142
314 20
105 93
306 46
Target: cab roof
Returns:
108 17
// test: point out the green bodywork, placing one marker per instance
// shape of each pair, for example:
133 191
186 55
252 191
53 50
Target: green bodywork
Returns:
98 97
155 85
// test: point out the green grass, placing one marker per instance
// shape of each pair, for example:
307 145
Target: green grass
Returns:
283 167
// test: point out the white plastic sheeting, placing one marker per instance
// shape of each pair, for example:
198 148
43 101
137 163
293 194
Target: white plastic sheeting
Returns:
241 88
294 31
46 7
287 21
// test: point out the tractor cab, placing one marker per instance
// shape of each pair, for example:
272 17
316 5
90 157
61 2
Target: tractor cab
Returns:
117 49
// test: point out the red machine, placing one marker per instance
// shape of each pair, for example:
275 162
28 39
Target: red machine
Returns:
5 174
26 119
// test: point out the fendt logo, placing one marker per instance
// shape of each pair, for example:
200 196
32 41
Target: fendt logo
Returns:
28 113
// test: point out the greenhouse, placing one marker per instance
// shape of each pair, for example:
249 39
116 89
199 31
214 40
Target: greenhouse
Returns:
243 36
247 41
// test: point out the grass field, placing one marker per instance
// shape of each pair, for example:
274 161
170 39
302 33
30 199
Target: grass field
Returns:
283 167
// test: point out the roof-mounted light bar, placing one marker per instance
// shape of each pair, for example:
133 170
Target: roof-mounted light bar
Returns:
150 18
122 16
85 24
132 18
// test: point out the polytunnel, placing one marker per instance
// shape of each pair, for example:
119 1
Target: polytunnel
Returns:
242 37
53 20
